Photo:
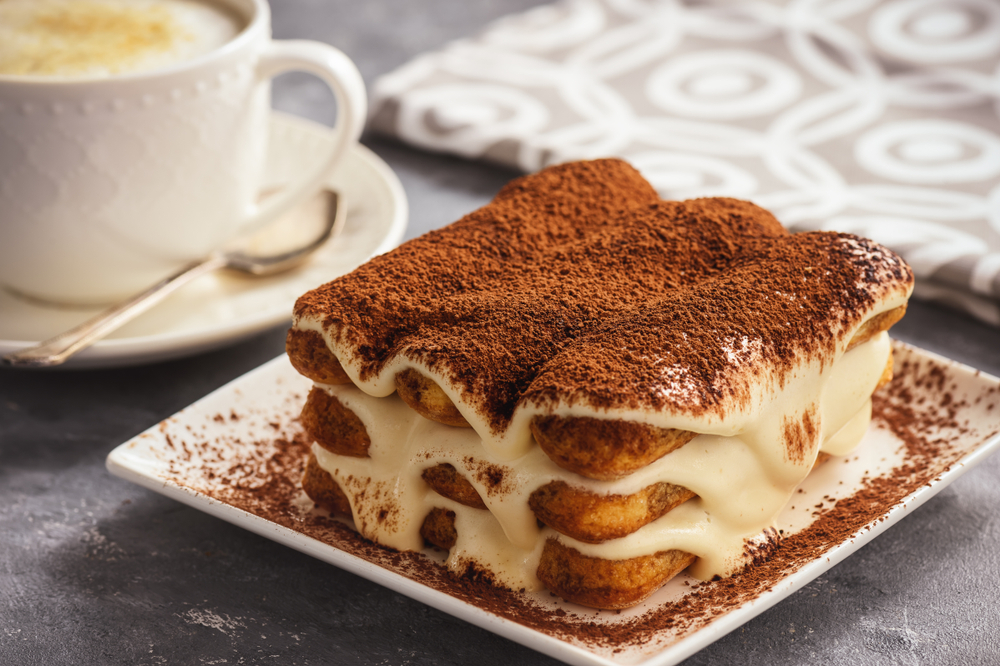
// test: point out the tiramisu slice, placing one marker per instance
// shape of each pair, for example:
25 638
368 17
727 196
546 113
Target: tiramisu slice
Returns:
585 387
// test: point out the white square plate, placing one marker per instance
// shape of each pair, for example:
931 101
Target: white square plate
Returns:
239 453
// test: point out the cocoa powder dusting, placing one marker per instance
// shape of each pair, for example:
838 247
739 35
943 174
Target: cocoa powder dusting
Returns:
800 435
490 475
579 284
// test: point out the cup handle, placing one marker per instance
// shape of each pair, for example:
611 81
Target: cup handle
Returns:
342 76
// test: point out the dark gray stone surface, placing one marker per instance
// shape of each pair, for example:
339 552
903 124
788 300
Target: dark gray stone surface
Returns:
95 570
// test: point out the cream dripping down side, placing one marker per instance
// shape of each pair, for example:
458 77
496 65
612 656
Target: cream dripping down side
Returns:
742 473
516 440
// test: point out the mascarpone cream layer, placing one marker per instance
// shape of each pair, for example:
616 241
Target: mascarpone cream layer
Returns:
743 473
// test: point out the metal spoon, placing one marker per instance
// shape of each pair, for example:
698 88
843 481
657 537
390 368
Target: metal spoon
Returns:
58 349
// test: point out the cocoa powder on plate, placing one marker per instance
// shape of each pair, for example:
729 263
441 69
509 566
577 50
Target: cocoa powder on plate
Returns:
919 407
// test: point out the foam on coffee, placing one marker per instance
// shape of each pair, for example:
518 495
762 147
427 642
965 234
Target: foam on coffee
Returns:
102 38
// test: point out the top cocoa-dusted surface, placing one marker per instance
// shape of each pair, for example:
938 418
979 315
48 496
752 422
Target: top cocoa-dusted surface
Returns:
579 285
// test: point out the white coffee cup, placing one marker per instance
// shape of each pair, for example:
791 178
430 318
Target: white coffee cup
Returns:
107 184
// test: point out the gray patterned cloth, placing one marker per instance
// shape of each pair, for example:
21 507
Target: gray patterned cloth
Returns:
876 118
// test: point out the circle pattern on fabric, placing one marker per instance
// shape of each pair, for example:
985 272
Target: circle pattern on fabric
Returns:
723 85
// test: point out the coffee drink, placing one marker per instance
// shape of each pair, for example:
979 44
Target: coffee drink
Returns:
134 137
89 39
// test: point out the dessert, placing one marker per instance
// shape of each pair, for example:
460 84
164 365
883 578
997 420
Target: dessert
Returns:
583 387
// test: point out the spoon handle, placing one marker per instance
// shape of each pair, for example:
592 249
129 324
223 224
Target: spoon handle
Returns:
56 350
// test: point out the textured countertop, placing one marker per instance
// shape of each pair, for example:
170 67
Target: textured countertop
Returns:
96 570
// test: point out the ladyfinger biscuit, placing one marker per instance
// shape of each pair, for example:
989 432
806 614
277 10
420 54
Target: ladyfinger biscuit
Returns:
333 426
595 518
872 327
609 584
604 449
427 398
312 358
323 490
438 528
447 482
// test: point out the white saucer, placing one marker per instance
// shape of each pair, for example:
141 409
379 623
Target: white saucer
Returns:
220 309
